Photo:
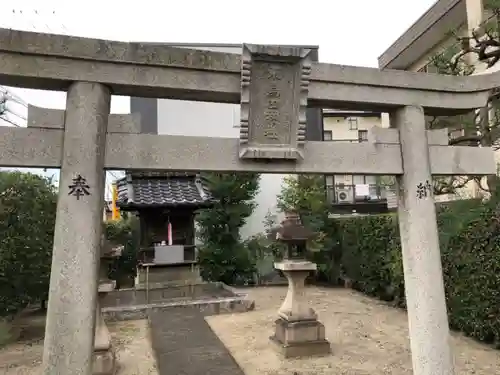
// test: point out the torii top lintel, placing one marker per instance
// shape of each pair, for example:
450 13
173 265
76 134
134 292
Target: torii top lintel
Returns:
47 61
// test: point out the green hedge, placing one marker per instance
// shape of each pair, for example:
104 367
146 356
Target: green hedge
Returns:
470 252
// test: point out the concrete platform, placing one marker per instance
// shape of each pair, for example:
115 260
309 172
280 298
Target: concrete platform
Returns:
104 362
300 338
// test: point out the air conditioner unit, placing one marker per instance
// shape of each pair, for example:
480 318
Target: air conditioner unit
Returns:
344 196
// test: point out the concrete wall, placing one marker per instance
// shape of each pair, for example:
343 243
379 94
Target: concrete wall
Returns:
429 33
426 33
177 117
474 15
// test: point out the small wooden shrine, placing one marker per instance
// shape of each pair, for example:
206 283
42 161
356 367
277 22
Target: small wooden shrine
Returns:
166 204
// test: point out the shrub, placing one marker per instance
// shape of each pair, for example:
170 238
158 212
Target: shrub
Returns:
471 268
470 244
367 253
27 220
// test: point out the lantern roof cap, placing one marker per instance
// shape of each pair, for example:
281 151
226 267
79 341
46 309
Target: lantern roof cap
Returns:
292 229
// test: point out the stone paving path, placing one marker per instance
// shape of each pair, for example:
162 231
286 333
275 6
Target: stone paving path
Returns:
184 344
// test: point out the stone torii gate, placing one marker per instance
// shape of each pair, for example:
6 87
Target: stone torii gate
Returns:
274 86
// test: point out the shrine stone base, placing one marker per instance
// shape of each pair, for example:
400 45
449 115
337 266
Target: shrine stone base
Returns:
104 356
302 338
104 362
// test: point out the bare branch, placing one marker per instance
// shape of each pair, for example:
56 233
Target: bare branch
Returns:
479 182
450 185
483 128
471 140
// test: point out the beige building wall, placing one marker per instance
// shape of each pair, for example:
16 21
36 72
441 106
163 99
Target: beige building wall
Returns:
475 14
353 126
341 126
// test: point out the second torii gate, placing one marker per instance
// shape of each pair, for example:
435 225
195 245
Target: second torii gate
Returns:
274 86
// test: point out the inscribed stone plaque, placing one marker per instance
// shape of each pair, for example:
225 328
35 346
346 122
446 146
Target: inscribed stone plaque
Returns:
274 83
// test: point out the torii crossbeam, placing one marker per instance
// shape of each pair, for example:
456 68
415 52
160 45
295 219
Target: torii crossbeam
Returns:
125 146
274 85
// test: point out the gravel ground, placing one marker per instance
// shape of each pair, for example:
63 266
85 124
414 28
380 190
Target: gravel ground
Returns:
367 336
130 339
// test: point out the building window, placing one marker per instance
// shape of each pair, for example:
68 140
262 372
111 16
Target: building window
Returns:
358 180
353 123
362 135
327 135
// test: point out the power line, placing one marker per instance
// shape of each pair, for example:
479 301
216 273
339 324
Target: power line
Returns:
3 118
6 96
37 20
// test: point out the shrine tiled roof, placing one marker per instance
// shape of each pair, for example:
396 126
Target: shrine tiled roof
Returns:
157 189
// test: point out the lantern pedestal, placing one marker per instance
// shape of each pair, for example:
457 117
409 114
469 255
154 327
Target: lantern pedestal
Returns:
104 357
298 333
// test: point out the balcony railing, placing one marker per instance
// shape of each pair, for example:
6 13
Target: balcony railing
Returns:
344 140
348 194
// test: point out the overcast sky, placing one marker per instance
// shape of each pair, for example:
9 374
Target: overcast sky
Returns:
352 32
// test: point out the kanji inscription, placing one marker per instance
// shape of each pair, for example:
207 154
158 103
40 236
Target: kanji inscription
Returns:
274 82
79 187
424 190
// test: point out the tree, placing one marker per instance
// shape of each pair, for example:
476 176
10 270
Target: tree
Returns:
482 127
222 257
124 233
306 195
27 219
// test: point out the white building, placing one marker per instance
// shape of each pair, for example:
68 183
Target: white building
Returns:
360 194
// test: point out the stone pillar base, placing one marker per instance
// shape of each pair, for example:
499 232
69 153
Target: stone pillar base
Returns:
104 362
300 338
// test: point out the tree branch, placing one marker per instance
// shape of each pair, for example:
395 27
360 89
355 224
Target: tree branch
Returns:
466 139
449 185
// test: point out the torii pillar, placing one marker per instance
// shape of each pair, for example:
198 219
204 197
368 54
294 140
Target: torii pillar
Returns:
71 312
84 128
423 274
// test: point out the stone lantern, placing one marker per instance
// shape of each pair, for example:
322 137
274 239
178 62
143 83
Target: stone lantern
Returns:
298 333
295 236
